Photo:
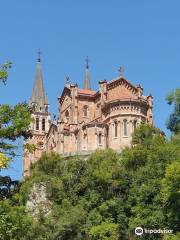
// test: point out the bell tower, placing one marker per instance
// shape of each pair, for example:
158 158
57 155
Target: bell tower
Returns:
40 120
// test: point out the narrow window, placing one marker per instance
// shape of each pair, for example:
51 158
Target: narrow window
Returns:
115 129
85 111
85 141
37 123
43 125
100 138
67 115
125 127
135 124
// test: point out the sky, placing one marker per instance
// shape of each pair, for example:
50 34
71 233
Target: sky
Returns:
140 35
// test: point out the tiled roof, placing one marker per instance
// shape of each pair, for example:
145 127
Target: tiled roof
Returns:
86 92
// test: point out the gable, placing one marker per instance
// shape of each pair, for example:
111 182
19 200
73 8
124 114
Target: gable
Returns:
121 89
52 130
66 93
65 99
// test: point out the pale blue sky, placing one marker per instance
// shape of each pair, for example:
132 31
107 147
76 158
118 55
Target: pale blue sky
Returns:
140 35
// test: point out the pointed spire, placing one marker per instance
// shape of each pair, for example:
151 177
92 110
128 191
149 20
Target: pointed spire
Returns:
39 56
38 95
87 84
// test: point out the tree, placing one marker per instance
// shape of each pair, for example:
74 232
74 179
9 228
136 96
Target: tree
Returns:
146 164
171 194
14 221
14 123
173 123
4 71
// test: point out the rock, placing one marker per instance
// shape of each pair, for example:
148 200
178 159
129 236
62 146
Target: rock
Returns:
38 202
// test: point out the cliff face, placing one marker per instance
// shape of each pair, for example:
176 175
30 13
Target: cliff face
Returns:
38 202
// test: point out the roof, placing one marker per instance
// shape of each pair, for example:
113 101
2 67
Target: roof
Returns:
120 78
86 92
38 95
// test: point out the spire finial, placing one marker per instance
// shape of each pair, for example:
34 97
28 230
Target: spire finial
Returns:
39 55
121 71
67 80
87 62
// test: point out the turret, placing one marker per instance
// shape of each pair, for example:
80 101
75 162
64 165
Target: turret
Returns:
41 120
39 103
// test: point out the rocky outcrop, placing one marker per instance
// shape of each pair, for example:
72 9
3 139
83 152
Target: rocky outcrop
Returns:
38 203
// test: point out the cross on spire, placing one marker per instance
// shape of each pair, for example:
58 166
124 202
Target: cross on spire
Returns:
121 71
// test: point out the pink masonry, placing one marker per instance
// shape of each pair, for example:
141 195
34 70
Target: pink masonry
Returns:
88 120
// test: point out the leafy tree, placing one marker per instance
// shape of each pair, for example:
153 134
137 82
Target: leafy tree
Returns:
105 231
146 135
88 197
173 123
14 222
146 163
14 123
172 237
4 71
171 194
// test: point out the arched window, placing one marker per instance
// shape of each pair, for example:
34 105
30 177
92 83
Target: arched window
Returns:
100 138
43 125
115 129
37 123
125 128
85 111
67 115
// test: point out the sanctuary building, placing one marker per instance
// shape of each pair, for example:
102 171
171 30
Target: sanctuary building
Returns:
88 119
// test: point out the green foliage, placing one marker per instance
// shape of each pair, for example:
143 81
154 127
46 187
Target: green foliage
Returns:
105 231
173 123
14 123
173 97
172 237
146 135
14 222
4 71
171 194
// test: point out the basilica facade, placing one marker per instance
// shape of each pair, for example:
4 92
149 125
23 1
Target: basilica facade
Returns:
88 119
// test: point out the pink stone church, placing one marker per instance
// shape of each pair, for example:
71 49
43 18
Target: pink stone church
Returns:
88 119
